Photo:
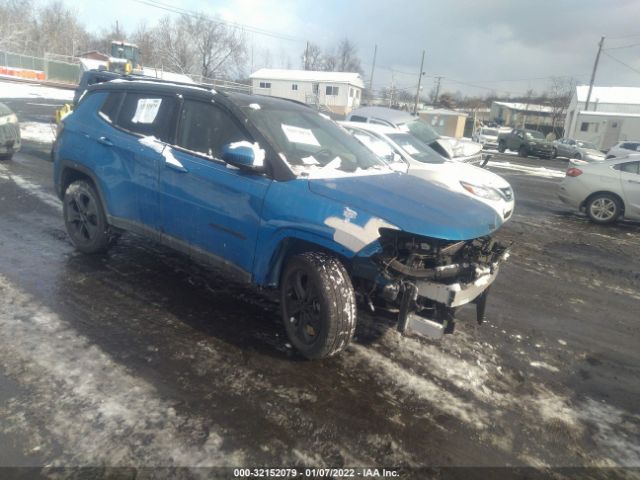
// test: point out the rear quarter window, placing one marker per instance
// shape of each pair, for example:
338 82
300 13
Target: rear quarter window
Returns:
148 114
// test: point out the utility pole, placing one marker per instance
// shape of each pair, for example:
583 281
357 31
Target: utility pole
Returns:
593 73
435 97
306 57
420 74
373 67
391 91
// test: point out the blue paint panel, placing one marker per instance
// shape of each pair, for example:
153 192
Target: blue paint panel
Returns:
212 206
412 204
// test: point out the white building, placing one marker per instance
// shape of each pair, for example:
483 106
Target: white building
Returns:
527 115
341 92
613 115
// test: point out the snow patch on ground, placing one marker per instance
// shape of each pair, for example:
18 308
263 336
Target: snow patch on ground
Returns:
33 90
31 188
38 131
85 401
527 169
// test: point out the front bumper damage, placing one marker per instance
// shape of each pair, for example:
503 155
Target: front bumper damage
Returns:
428 279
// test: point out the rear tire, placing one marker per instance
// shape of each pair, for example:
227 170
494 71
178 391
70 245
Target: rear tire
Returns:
604 208
84 218
318 304
522 151
6 157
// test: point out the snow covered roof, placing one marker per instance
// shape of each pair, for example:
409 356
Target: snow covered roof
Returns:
609 114
526 107
622 95
443 111
308 76
164 75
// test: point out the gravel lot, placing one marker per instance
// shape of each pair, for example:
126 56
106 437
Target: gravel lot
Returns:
142 358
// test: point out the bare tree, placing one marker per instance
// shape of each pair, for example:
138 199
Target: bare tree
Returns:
347 57
313 60
559 93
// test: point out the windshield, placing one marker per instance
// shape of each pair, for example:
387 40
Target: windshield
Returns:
489 131
534 134
588 145
421 131
311 144
414 147
378 146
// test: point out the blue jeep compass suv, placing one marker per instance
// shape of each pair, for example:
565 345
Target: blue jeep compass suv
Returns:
275 194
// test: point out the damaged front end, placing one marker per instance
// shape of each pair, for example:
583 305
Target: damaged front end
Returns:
425 280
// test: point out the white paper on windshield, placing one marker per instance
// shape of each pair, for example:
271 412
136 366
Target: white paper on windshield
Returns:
403 128
310 161
147 110
300 135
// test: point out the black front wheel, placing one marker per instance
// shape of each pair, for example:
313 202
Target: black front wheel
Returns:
522 151
502 147
318 304
84 218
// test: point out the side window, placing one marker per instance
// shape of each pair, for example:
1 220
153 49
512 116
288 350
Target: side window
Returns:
109 108
630 167
584 127
148 114
358 118
205 129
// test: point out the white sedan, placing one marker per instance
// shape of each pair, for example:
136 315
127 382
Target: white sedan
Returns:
605 190
404 152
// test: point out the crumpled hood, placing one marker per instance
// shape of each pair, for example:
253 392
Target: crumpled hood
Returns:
412 204
459 147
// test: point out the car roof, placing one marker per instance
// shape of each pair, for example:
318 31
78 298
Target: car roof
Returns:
383 113
163 86
371 127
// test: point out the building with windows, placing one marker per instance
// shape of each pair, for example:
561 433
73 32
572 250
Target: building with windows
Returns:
340 92
522 115
613 115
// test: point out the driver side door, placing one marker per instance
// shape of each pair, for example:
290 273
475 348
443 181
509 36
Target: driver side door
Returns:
207 206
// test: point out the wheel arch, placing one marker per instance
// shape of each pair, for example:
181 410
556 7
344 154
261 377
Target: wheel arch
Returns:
71 172
270 265
586 201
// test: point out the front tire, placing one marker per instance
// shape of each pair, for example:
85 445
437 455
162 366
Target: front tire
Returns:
84 218
604 208
6 157
318 304
522 151
502 147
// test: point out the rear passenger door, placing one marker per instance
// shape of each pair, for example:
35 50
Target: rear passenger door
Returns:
207 205
144 124
630 182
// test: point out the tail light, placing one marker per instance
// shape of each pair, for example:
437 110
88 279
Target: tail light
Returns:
573 172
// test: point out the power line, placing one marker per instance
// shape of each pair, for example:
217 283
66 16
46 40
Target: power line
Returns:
191 13
621 62
625 46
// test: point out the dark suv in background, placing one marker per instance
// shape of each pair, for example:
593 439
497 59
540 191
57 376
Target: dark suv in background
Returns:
276 195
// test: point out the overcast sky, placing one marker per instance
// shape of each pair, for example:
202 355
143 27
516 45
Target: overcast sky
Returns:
501 45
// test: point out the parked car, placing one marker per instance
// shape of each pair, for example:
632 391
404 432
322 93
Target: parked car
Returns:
525 142
405 152
486 136
623 149
277 195
605 190
459 150
577 149
9 133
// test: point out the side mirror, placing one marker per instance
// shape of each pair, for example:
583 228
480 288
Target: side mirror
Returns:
396 158
244 155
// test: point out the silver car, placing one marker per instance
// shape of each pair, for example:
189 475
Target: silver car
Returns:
577 149
458 150
605 190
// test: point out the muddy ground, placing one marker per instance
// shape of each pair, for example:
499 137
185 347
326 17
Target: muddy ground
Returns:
142 358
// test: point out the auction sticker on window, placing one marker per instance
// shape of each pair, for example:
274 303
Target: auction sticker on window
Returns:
300 135
147 110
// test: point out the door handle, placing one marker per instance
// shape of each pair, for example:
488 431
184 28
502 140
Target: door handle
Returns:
105 141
